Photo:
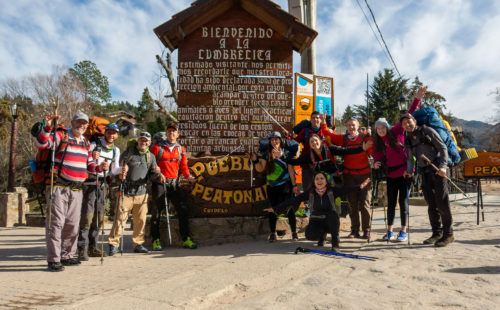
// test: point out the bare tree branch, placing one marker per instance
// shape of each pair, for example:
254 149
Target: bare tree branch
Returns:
170 75
162 109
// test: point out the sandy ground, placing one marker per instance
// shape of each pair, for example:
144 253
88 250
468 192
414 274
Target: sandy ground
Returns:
260 275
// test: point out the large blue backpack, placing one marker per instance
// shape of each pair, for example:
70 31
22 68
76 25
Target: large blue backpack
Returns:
430 117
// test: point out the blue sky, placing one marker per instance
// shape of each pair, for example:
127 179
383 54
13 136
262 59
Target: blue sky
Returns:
452 45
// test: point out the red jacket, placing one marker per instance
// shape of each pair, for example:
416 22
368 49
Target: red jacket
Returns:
169 163
355 163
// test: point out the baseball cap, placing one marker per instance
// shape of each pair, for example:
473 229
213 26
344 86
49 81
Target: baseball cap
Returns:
145 135
406 115
112 126
172 125
80 115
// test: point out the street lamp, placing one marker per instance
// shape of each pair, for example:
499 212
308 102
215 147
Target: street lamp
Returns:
403 104
13 148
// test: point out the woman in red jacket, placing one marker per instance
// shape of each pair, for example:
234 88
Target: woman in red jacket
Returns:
356 170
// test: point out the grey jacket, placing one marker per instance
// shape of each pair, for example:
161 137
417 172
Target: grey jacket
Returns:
425 140
139 170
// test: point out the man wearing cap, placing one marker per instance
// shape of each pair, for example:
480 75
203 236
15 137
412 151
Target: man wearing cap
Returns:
72 161
104 151
138 165
171 158
423 140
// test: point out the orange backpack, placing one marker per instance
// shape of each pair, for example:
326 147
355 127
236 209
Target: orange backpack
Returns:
97 127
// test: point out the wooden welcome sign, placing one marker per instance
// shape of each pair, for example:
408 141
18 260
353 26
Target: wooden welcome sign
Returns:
235 66
486 165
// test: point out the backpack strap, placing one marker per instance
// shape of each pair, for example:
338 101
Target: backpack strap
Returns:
311 202
335 207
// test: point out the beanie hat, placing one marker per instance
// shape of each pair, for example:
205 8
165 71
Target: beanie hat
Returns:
382 122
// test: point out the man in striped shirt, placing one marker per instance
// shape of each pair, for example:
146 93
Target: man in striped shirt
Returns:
72 161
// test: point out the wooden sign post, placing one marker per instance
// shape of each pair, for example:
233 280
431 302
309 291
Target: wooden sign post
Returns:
486 165
235 67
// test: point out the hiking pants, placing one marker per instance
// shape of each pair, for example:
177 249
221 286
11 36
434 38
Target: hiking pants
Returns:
317 228
359 201
62 235
91 216
276 195
138 205
435 190
397 186
175 195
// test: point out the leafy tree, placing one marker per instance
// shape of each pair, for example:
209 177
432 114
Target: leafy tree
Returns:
382 98
95 83
431 98
156 126
145 105
348 112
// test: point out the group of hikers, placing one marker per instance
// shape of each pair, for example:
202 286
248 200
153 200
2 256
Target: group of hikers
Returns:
78 182
79 176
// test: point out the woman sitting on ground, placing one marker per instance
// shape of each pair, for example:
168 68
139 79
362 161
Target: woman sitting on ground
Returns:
324 214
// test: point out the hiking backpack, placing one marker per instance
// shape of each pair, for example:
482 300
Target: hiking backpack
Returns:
96 128
289 145
430 117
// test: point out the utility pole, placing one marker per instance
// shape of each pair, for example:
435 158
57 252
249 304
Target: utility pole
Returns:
367 104
305 11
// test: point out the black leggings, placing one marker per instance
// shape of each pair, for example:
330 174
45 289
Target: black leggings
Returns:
395 186
176 196
318 227
276 195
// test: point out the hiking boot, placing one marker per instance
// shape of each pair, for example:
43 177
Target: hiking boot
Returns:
388 236
140 249
157 245
189 244
402 236
93 252
444 241
432 239
70 262
55 266
83 255
295 237
113 250
353 234
272 237
366 235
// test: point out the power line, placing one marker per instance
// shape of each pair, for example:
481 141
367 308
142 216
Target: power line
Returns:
382 37
374 33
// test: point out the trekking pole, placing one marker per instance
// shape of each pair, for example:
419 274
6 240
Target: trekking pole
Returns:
408 193
166 213
228 154
122 193
374 195
104 189
446 177
271 117
53 158
355 256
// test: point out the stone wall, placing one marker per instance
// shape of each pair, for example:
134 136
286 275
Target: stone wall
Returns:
212 231
13 207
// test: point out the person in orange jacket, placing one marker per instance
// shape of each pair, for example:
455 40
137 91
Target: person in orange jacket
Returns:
171 158
356 170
